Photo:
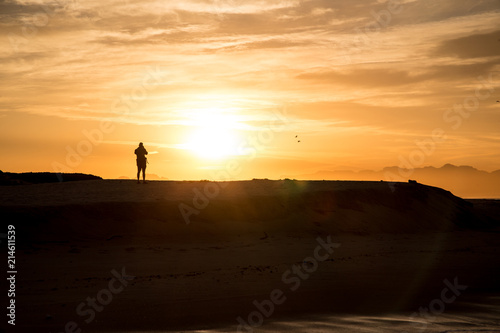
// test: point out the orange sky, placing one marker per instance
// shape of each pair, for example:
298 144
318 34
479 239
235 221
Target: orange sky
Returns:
211 85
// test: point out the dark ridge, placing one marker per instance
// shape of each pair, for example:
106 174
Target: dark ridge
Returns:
11 178
323 208
487 212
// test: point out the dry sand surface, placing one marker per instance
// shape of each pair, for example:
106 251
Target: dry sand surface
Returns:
256 256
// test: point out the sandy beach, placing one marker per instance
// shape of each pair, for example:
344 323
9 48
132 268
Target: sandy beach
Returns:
252 256
243 166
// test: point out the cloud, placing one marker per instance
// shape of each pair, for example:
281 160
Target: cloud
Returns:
262 51
17 10
273 43
371 77
381 76
472 46
462 71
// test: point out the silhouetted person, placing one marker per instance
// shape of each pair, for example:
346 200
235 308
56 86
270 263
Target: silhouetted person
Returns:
141 153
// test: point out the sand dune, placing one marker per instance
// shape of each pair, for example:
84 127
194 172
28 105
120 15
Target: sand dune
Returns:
397 244
235 207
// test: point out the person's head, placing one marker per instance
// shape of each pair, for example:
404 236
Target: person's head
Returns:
140 144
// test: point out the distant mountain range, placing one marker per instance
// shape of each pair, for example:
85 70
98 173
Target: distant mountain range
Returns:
464 181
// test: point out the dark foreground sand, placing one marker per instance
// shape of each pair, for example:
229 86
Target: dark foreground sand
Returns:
105 256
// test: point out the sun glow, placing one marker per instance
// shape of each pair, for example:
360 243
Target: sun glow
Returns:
214 134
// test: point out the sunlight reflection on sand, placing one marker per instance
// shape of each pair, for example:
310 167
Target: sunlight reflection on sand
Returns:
470 322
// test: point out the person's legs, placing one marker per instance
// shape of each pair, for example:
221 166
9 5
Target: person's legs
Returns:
144 174
138 172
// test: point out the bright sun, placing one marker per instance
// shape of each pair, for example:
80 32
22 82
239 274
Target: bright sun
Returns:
214 135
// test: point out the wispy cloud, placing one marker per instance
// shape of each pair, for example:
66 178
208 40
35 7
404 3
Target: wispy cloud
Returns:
335 63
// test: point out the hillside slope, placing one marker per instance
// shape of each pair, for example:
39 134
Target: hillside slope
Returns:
175 210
